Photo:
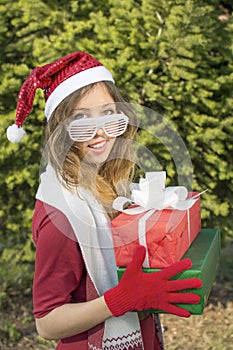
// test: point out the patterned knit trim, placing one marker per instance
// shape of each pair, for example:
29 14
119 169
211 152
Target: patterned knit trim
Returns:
92 347
129 341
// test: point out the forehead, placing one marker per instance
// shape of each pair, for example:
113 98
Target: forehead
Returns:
97 96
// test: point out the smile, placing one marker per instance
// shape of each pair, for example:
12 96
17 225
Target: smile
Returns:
98 145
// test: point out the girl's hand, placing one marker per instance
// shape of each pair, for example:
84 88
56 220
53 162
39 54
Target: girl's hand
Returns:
138 290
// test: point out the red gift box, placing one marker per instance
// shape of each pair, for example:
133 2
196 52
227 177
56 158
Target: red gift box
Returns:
167 234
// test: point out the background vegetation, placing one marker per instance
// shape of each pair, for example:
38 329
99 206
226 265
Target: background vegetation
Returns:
174 57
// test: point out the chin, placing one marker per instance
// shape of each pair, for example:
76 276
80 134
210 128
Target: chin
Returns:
98 160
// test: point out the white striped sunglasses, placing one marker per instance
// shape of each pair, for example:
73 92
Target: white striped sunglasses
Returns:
81 130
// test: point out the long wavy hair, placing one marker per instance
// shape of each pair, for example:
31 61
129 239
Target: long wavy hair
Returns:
109 180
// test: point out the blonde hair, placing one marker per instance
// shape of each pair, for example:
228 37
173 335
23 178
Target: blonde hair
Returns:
114 176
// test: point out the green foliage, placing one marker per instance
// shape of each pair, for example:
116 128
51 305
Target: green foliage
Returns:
174 57
9 331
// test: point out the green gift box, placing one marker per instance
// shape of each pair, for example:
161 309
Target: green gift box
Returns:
205 255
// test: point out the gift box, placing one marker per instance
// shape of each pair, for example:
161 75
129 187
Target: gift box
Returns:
205 255
166 234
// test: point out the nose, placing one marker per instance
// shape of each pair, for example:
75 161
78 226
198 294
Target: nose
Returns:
100 132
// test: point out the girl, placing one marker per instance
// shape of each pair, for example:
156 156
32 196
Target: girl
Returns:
76 295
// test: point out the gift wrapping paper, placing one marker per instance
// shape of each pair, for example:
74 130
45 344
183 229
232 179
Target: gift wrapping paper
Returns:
205 255
166 234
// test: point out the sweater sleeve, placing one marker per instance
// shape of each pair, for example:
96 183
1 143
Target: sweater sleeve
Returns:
59 268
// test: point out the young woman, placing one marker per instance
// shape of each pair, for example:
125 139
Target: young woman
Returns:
77 297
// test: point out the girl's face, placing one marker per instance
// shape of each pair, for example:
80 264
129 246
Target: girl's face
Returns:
96 103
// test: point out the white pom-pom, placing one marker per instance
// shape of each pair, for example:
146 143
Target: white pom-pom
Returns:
14 133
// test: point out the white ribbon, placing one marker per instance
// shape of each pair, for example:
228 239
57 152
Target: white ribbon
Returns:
150 193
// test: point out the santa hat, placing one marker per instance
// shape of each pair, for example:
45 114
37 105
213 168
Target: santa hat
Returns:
58 80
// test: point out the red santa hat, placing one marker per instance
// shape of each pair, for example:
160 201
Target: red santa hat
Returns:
58 80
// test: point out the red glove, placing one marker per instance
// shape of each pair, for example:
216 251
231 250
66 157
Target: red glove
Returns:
138 290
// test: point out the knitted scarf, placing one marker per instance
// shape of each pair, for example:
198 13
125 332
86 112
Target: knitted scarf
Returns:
92 230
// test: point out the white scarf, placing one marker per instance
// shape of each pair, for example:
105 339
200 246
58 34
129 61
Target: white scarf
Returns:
92 230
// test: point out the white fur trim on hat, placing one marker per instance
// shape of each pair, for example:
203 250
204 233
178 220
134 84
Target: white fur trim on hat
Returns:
77 81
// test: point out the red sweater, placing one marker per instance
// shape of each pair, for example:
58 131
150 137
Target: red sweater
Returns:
60 273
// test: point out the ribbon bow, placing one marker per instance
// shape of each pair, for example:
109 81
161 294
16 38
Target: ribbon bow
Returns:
151 193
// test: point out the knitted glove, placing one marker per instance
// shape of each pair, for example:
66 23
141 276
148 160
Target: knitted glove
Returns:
138 290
